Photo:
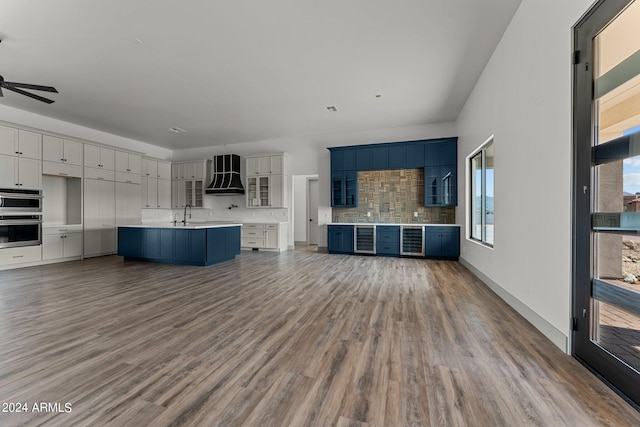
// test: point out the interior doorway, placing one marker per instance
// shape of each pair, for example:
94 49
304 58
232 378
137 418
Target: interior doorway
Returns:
312 211
606 247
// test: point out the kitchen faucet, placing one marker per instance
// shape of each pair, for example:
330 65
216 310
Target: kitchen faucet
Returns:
184 217
175 220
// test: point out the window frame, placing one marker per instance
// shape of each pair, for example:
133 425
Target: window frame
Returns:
472 182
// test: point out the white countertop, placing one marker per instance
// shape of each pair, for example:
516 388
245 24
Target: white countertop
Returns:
386 223
190 225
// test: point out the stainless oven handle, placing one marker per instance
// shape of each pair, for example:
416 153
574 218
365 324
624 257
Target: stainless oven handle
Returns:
21 222
20 196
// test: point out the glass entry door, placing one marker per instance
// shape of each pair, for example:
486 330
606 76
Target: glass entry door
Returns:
607 193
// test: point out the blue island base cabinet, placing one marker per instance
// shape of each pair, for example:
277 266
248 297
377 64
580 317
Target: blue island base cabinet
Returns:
203 246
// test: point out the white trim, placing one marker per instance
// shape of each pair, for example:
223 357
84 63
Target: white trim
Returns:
468 189
547 329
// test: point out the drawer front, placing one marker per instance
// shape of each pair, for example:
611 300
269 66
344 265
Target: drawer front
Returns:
100 174
388 229
388 237
48 230
129 178
20 255
272 226
388 248
61 169
249 242
253 226
253 233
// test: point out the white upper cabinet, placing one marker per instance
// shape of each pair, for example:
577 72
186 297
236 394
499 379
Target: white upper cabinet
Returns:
150 168
21 143
164 170
30 144
128 162
9 141
266 165
99 157
60 150
17 172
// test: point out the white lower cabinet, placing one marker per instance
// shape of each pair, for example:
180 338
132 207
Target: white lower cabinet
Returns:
265 236
22 255
61 242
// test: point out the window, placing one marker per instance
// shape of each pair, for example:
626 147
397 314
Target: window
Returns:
481 185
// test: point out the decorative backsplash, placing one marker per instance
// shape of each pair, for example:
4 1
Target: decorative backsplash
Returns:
392 196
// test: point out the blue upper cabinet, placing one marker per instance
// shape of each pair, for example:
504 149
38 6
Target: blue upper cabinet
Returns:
398 157
372 158
438 157
440 173
343 159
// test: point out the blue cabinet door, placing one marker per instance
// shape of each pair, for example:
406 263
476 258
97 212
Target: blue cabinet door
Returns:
380 158
363 159
449 185
337 189
448 153
450 244
340 239
216 244
431 154
343 159
131 242
351 189
415 156
432 195
158 243
190 246
233 240
398 156
198 246
442 242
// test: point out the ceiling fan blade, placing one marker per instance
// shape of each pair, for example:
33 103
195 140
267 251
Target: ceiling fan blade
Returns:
32 87
30 95
1 94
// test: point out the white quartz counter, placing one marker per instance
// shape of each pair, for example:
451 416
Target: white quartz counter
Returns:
190 225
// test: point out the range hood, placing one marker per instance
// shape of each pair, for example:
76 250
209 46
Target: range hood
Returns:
225 176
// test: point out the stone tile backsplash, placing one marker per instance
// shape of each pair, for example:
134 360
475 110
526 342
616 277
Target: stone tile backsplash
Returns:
392 196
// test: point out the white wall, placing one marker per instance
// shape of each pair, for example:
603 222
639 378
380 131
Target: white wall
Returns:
524 98
48 124
309 156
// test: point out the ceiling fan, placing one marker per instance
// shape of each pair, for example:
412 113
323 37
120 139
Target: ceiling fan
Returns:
15 87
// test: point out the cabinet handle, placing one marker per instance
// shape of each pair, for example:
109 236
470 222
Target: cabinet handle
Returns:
63 229
21 153
18 256
100 179
128 170
17 152
63 174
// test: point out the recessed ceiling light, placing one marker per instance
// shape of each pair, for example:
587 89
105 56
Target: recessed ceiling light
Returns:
139 41
332 108
177 130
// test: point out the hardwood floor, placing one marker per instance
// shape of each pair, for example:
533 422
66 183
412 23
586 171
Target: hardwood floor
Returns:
291 339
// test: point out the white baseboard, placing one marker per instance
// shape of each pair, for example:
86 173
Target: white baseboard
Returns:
547 329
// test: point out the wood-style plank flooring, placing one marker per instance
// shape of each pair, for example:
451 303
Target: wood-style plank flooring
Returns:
291 339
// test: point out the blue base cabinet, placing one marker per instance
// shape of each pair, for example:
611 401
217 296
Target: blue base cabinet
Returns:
388 240
442 242
203 246
340 239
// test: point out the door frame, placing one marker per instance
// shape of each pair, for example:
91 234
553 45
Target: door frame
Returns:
619 376
309 179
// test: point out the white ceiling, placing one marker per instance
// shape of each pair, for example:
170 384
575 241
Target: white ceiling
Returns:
232 71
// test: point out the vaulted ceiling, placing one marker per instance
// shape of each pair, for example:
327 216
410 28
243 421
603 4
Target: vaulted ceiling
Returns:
230 71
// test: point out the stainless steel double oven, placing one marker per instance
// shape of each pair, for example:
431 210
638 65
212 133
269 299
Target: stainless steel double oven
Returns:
20 217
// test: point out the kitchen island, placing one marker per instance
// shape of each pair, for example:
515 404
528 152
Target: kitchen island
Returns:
201 244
